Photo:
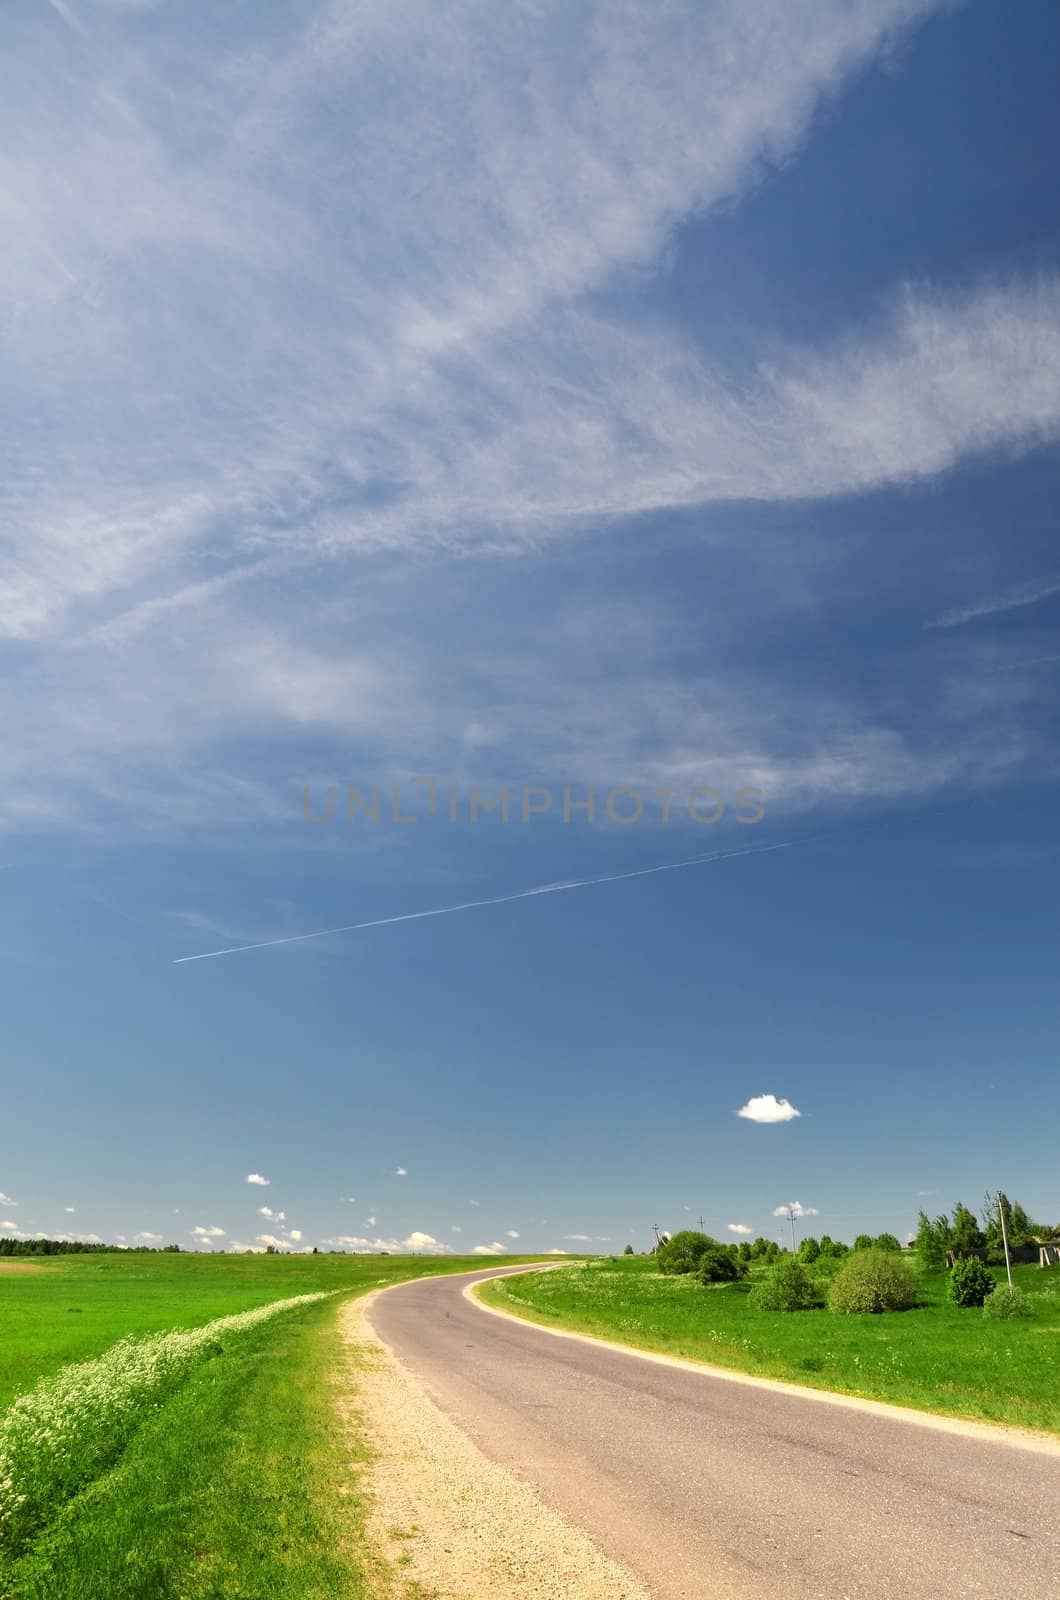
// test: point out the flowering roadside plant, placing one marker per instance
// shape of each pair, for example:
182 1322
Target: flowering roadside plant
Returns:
61 1434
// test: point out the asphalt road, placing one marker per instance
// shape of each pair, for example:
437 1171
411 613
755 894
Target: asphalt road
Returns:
707 1488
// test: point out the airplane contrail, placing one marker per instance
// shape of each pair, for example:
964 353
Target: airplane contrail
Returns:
495 900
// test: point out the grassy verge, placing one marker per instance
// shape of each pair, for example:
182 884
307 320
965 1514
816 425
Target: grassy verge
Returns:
241 1487
936 1357
235 1478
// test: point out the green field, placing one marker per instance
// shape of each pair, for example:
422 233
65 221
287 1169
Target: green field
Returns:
936 1357
232 1478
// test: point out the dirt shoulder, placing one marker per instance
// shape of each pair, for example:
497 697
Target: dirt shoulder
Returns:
455 1525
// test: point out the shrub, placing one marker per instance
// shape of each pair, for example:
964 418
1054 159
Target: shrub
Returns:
787 1287
886 1241
970 1282
873 1280
682 1252
1006 1302
628 1251
720 1263
863 1241
809 1250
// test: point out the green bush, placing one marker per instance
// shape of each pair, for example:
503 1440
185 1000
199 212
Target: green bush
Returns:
863 1241
809 1250
628 1251
1007 1301
886 1241
682 1252
970 1282
720 1263
786 1287
873 1280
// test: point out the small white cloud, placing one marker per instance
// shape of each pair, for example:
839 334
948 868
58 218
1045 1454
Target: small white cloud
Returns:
69 1210
739 1227
148 1238
579 1238
351 1199
295 1234
9 1226
237 1245
369 1222
795 1208
512 1234
456 1228
274 1216
493 1249
555 1252
767 1108
401 1172
256 1177
270 1238
473 1202
212 1232
423 1241
6 1200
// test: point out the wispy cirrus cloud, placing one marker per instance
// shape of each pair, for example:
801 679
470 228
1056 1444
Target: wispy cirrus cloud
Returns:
437 380
1010 599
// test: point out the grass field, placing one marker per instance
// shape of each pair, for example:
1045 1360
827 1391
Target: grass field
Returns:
225 1476
936 1357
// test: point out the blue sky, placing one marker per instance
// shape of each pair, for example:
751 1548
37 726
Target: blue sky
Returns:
656 398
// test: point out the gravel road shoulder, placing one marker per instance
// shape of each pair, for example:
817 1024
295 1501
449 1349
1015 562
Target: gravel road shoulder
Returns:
455 1525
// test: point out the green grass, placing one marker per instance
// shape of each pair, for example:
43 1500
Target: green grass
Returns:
936 1357
243 1483
76 1306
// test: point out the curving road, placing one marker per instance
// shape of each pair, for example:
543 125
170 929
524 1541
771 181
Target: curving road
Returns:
707 1488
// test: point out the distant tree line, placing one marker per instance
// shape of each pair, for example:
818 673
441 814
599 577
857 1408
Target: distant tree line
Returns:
77 1247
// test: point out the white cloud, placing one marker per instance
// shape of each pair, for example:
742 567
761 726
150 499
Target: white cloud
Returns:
70 1210
211 1232
739 1227
474 1202
796 1207
401 1172
767 1108
456 1228
236 1246
579 1238
148 1238
295 1234
11 1227
493 1249
448 381
274 1216
555 1252
512 1234
351 1199
369 1222
6 1200
271 1239
256 1178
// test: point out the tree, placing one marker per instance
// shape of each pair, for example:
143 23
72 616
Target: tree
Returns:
965 1232
809 1250
628 1251
886 1241
873 1280
720 1263
932 1239
863 1241
1018 1225
681 1253
970 1282
744 1250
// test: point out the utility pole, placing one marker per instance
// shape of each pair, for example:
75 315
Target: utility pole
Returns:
701 1224
655 1230
1001 1204
791 1219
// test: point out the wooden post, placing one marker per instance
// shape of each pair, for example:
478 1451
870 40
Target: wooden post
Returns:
1004 1235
